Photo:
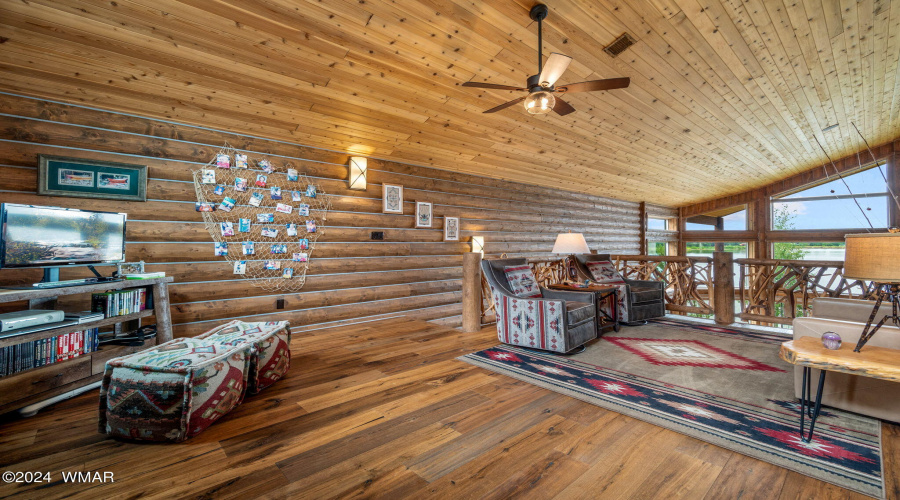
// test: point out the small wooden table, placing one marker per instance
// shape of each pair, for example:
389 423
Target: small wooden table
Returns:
808 352
601 292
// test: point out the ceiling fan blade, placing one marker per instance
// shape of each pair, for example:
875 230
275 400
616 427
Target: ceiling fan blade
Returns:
505 105
554 68
494 86
608 84
562 108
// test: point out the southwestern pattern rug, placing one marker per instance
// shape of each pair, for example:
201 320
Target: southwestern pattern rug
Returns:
725 386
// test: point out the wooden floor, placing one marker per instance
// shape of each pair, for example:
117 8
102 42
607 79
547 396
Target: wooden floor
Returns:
385 410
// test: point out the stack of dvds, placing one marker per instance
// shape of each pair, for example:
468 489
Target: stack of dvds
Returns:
120 302
27 355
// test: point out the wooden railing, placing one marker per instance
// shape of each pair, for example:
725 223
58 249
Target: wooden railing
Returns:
777 291
688 280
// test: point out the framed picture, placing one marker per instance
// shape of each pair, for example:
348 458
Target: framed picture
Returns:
130 267
80 178
391 199
451 228
423 214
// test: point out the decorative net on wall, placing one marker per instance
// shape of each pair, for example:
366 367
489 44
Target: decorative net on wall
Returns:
258 240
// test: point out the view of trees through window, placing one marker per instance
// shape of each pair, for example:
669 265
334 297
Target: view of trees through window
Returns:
657 248
852 202
783 219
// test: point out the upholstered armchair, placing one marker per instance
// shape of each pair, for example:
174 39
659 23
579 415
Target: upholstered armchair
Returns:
545 319
639 300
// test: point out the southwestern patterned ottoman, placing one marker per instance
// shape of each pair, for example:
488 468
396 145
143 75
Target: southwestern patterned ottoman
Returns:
174 391
271 356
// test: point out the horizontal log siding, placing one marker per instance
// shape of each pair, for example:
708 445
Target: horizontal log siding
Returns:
411 273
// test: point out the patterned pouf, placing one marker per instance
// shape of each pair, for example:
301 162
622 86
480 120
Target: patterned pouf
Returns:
174 391
271 357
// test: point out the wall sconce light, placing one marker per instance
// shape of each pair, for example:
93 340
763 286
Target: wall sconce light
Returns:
478 244
358 168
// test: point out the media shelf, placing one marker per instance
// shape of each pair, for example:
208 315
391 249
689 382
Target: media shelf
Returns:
37 384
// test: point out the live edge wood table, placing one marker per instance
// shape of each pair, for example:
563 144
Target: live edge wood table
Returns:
601 293
37 384
808 352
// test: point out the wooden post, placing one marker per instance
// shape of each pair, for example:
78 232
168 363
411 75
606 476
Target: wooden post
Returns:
893 174
723 287
642 230
471 296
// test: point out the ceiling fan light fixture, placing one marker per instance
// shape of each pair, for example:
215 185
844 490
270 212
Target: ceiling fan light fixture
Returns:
540 102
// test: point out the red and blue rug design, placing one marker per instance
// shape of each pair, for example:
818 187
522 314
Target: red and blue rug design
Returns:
764 429
680 352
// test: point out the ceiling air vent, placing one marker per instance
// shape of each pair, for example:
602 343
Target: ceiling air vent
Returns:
619 45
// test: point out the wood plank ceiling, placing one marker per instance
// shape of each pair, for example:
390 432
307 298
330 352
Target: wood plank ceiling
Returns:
726 95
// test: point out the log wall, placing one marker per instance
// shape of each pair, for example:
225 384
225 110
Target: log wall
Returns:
351 278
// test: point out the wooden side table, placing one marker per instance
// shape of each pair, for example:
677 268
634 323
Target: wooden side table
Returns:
601 293
808 352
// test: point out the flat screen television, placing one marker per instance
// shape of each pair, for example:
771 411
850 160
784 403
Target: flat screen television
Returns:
35 236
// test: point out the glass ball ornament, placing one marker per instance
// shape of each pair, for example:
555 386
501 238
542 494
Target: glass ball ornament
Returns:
540 102
831 340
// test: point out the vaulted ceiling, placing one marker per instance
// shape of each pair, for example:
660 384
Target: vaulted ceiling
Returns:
726 95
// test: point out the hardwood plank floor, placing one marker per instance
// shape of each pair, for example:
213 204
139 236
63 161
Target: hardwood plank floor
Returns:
385 410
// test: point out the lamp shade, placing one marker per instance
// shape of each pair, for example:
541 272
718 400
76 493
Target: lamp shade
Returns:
358 169
873 257
571 243
478 244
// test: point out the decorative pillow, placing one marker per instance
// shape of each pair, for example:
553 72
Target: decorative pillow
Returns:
521 282
604 272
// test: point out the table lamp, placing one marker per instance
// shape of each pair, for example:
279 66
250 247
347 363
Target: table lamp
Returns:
874 257
571 244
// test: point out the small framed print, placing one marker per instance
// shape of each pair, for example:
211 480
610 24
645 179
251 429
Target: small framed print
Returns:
61 176
240 267
451 228
423 214
391 199
129 268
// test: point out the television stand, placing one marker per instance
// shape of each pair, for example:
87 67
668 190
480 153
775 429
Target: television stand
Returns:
64 377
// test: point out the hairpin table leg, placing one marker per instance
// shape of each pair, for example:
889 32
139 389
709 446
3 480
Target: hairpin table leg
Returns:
805 403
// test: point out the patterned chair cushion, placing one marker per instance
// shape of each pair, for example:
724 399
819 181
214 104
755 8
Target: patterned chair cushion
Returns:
604 272
271 356
521 282
174 391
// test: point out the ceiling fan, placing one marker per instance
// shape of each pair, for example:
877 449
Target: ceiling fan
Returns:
540 99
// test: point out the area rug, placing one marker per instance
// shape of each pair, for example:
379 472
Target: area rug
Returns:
725 386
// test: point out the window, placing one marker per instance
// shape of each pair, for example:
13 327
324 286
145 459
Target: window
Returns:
657 248
796 250
706 248
657 224
728 219
833 206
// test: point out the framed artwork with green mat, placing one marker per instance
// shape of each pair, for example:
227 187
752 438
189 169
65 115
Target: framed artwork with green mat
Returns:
82 178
